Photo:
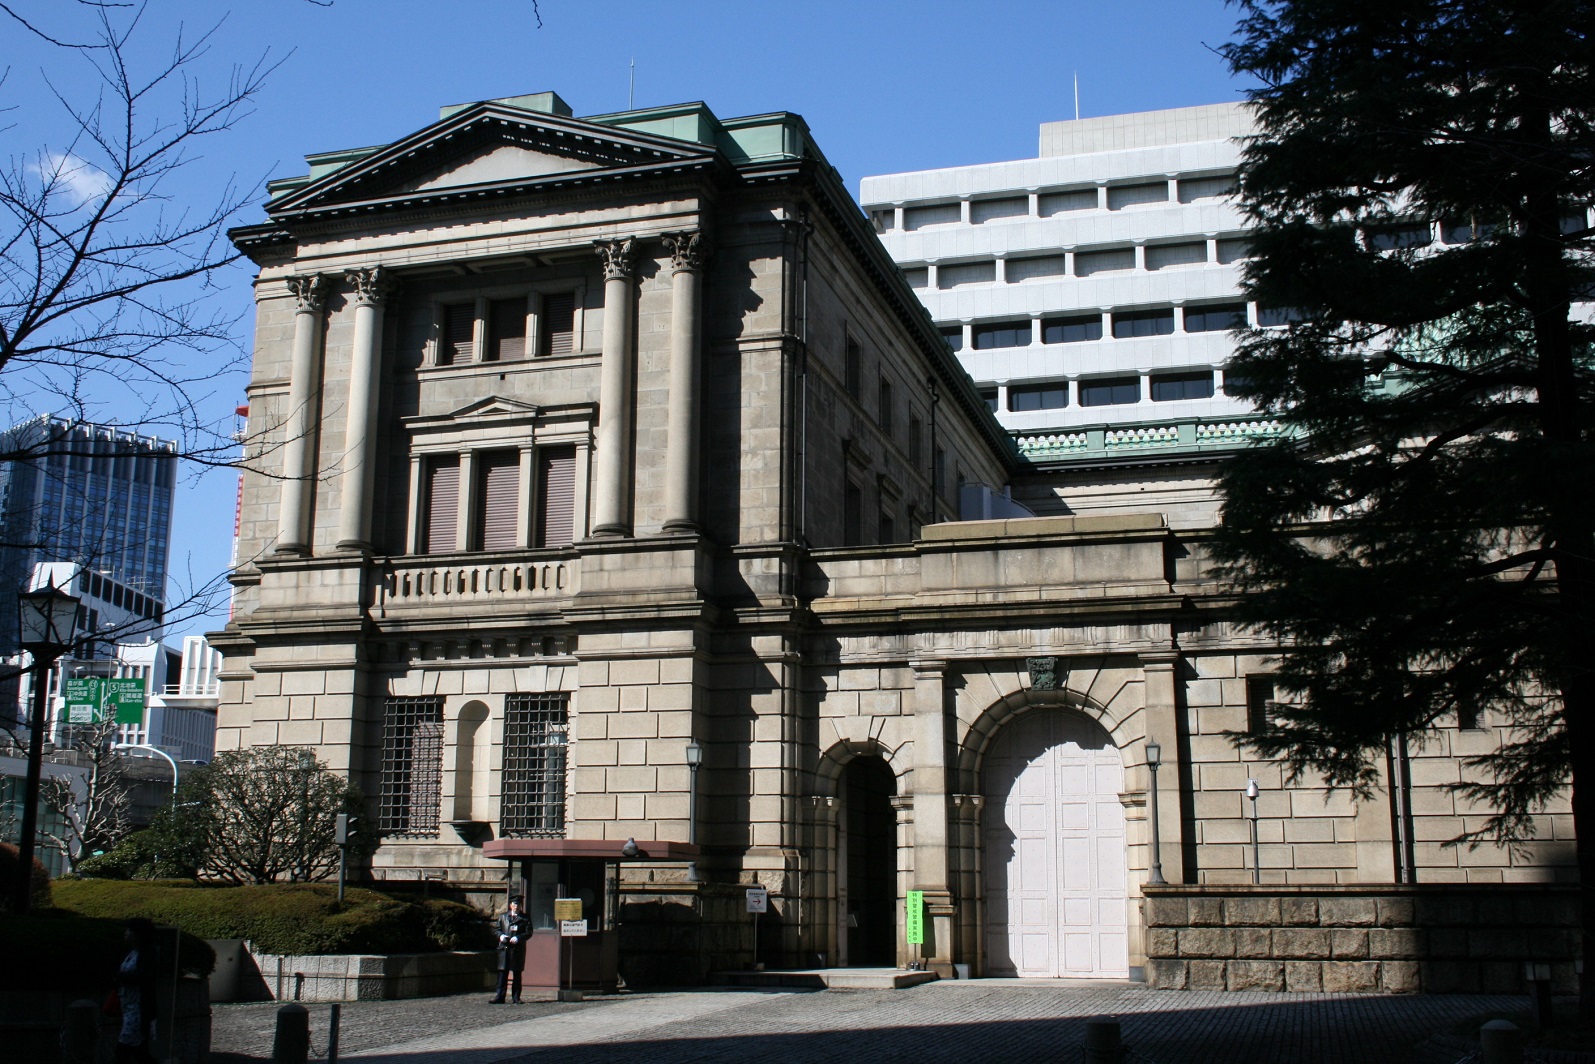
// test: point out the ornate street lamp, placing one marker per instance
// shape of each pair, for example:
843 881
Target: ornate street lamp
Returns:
1154 759
1257 864
694 759
48 622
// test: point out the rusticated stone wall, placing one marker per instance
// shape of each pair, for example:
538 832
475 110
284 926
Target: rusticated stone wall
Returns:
1395 939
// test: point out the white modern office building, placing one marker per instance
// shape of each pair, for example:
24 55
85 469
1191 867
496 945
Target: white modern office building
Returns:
1090 290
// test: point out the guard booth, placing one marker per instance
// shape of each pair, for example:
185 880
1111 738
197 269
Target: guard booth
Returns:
542 870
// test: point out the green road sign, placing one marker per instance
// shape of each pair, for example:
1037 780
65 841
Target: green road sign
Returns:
916 917
125 698
84 697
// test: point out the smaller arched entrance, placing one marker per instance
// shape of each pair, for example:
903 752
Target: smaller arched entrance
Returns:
1056 885
868 866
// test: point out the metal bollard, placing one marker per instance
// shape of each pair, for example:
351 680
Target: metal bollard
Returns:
80 1035
292 1043
1102 1043
334 1019
1500 1042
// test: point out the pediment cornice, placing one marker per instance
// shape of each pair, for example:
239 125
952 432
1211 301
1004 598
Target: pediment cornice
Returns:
390 175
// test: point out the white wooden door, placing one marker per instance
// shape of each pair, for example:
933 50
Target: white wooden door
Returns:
1055 881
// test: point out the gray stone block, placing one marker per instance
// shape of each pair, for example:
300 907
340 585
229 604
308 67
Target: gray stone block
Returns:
1253 942
1205 975
1395 912
1301 943
1207 942
1167 912
1304 976
1251 912
1400 977
1345 976
1162 942
1395 943
1347 912
1298 912
1207 912
1347 943
1165 974
1256 975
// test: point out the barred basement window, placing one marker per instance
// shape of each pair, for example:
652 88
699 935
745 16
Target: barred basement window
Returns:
535 730
1260 703
412 766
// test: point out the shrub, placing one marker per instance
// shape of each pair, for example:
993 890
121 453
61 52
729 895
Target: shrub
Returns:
284 917
10 861
74 953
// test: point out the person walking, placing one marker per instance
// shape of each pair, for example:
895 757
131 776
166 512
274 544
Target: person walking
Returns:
135 992
513 929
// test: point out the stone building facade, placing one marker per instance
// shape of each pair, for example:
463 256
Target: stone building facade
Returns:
576 444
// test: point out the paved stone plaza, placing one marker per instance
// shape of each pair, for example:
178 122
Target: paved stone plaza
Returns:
983 1020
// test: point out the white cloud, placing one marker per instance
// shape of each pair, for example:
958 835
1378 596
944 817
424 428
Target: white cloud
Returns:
80 180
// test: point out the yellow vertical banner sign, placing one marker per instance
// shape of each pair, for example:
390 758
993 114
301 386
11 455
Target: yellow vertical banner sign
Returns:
916 917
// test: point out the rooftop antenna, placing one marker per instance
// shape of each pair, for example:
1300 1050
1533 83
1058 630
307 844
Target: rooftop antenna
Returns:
631 96
1077 96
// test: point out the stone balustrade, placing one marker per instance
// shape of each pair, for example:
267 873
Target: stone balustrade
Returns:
440 582
1180 434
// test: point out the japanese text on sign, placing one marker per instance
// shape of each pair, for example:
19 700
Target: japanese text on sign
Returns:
758 900
916 917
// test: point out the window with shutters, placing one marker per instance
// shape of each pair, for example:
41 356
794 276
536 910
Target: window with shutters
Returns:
506 330
457 333
411 799
558 324
498 500
556 496
536 728
852 516
442 505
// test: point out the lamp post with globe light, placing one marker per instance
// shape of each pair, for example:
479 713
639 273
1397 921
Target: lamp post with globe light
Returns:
48 623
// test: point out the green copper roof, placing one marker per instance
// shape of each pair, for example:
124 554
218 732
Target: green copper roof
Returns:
751 139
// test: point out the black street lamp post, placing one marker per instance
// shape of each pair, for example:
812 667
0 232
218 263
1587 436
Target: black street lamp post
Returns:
48 618
694 759
1154 759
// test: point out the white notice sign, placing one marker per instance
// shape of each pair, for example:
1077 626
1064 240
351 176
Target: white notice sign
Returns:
572 928
758 900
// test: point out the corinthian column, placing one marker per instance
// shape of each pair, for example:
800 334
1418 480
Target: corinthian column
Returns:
612 490
371 288
686 332
304 415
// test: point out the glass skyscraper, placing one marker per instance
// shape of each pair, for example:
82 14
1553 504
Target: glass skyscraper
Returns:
72 491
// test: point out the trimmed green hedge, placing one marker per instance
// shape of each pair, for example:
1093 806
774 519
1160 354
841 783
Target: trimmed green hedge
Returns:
285 917
70 952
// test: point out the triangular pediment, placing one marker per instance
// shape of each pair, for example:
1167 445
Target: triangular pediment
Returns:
493 407
489 146
501 162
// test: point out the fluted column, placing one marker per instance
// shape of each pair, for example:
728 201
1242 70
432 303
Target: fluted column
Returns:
612 490
686 334
304 416
372 287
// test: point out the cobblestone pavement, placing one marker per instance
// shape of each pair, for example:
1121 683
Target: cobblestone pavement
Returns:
952 1022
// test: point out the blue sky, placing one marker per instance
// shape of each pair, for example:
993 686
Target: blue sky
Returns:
884 86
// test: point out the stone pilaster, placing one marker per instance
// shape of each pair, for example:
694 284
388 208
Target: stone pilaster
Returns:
304 416
1163 726
612 488
371 289
686 332
932 842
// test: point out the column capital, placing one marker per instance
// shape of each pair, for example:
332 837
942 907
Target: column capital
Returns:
310 292
372 285
618 256
1159 659
688 250
927 668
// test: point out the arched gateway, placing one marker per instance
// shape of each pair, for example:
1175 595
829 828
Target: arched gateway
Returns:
1054 849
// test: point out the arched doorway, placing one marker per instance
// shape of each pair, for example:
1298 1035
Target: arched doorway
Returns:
869 863
1055 879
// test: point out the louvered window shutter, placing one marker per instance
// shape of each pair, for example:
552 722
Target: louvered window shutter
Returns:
556 496
506 330
499 500
442 504
559 323
459 327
